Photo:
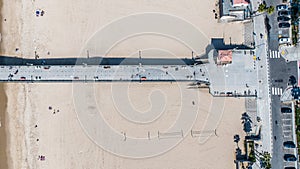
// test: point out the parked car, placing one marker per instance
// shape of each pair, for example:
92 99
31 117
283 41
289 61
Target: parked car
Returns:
283 19
286 110
281 7
284 40
279 80
292 80
283 13
289 157
289 144
284 25
289 168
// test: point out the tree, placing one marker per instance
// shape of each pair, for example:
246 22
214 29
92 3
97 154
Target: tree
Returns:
262 7
265 160
236 139
270 10
247 122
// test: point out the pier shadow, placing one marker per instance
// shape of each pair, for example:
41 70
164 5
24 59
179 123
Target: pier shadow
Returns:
14 61
216 44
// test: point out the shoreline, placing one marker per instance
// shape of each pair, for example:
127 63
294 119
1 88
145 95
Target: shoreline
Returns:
3 128
3 118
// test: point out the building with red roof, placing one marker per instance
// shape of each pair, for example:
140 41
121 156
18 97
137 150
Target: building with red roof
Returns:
224 57
241 2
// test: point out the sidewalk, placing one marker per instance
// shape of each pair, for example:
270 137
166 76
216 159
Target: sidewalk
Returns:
290 53
264 97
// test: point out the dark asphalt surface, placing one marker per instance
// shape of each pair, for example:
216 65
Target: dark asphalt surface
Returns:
279 69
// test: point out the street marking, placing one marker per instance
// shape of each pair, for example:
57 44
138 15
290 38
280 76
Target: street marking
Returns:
276 91
287 116
274 54
287 134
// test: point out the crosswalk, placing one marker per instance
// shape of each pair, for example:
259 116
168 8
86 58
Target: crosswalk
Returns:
277 91
274 54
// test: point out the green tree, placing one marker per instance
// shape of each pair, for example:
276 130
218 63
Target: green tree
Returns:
270 10
265 160
262 7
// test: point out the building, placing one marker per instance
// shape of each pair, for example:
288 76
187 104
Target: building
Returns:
224 57
235 10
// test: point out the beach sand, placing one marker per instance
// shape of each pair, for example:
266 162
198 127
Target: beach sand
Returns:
3 138
10 141
64 31
64 143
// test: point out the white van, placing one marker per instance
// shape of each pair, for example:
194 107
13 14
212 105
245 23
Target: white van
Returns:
284 40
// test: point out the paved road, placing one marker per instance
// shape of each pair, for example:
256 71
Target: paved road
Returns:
273 36
280 71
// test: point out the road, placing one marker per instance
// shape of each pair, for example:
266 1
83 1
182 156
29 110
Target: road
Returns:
280 71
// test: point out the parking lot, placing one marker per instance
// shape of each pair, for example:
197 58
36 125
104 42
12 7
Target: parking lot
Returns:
287 125
284 23
289 140
280 71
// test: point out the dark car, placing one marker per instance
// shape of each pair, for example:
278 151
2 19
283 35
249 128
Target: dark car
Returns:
284 25
283 18
289 168
289 144
283 13
279 80
289 157
292 80
286 110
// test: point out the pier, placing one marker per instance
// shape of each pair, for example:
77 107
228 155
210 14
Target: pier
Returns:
99 69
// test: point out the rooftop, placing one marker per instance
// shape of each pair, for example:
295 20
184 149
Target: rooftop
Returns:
241 2
238 9
224 56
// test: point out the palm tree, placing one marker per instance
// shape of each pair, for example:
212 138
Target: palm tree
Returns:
236 139
270 10
265 160
262 7
247 122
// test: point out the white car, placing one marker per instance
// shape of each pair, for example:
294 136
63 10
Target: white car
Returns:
284 40
282 7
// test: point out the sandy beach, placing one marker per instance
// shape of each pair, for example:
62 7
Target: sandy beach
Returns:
34 129
62 139
3 141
